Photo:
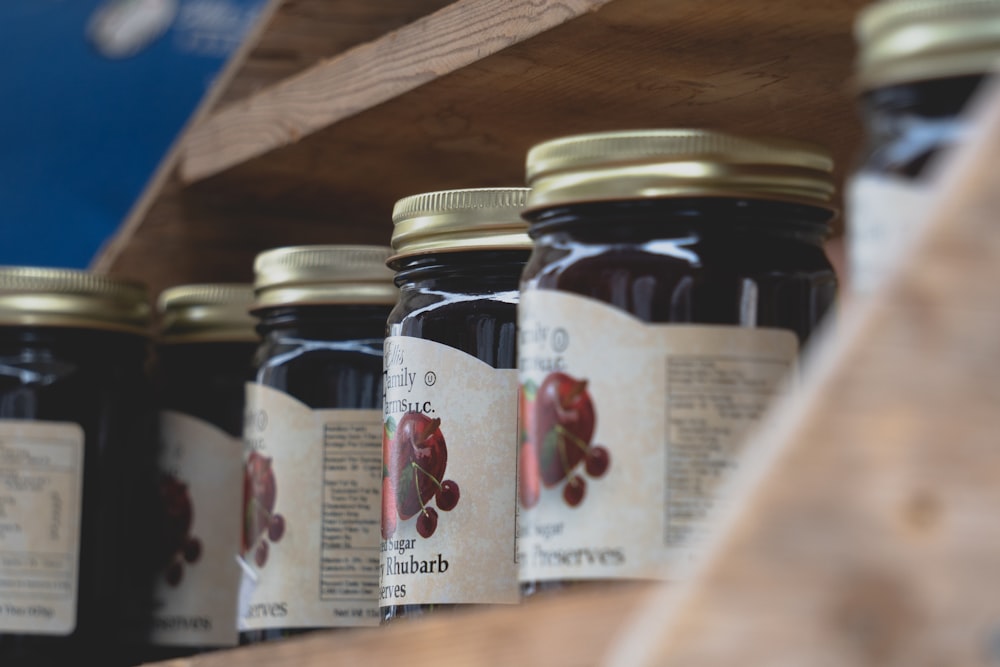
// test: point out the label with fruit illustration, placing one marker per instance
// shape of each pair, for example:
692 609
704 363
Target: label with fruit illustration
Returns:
310 539
449 463
41 483
201 494
627 431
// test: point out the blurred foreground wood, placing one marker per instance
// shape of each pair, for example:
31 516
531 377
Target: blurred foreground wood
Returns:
864 527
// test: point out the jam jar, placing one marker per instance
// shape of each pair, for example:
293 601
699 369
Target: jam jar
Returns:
75 431
919 64
675 276
312 441
205 347
450 450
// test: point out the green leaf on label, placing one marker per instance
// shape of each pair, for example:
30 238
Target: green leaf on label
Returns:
530 389
549 456
390 426
404 484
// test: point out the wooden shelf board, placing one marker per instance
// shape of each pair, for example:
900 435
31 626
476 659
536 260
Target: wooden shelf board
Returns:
304 32
416 112
457 35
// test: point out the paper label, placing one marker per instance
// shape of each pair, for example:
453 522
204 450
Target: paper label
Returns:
450 462
201 489
627 431
41 486
310 541
883 216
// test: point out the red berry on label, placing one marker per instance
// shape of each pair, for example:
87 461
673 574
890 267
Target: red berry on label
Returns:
192 550
427 522
447 495
597 461
527 475
389 516
260 556
174 573
276 528
574 490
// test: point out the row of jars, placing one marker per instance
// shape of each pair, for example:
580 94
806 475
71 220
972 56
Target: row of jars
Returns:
532 387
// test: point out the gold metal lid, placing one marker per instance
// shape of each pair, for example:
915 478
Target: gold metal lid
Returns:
33 296
913 40
456 220
321 274
654 164
207 312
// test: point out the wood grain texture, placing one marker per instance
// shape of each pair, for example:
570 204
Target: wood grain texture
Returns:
367 75
778 67
568 630
759 66
189 238
304 32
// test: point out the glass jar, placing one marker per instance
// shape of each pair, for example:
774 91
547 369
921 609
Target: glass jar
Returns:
920 62
75 414
450 450
204 352
675 275
312 437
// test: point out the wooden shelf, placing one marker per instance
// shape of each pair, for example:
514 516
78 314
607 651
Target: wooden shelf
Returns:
336 128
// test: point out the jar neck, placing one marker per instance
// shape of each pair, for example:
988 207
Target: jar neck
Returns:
324 322
472 272
73 341
638 221
907 124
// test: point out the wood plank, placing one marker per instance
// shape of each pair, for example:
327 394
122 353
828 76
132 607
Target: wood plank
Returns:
460 34
765 66
304 32
778 67
569 630
186 238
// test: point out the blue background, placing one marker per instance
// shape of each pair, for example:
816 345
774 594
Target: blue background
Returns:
80 134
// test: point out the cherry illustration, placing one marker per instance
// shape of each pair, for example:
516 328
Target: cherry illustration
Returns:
260 522
563 426
174 543
260 554
192 550
447 495
419 457
427 522
597 461
574 490
176 515
259 494
174 573
415 457
276 529
557 427
388 508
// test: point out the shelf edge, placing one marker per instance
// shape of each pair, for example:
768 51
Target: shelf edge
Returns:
365 76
